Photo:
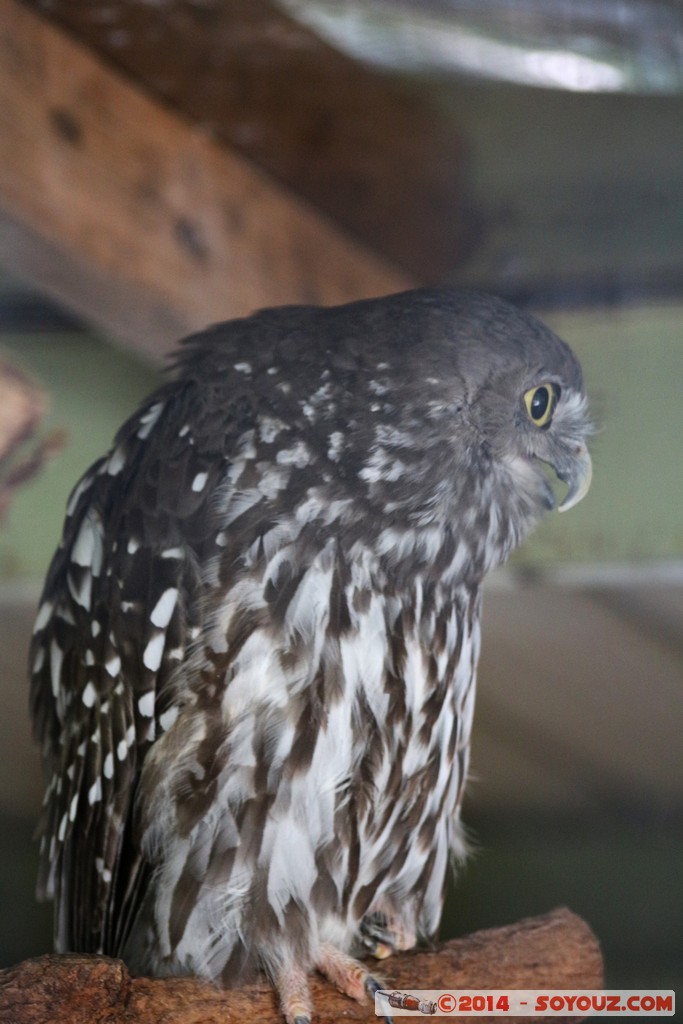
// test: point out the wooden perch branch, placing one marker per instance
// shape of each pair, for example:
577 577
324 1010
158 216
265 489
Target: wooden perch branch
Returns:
557 950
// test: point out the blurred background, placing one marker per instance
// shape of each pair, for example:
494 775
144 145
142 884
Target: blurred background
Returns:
171 163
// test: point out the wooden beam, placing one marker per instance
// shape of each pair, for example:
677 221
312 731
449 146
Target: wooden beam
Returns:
371 150
135 218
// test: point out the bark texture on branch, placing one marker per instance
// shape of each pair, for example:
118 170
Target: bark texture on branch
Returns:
556 950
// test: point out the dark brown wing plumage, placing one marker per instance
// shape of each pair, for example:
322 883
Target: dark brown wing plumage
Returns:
103 659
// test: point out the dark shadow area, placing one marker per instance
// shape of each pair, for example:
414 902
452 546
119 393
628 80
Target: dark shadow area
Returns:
623 876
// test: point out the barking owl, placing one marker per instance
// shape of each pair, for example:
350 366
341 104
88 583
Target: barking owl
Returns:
253 666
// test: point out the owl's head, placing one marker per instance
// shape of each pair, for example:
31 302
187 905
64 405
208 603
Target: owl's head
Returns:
461 399
418 409
524 399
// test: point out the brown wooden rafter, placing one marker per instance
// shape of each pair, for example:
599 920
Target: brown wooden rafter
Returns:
368 150
137 218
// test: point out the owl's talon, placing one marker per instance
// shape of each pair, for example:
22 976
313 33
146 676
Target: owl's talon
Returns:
384 932
380 950
372 986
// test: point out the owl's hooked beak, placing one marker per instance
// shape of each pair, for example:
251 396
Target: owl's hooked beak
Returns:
578 475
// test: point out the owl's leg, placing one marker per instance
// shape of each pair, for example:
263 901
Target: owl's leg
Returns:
291 983
384 931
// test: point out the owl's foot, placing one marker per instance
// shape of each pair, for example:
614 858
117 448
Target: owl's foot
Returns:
383 933
295 998
348 975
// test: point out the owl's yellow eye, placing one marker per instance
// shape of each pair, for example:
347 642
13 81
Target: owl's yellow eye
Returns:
540 403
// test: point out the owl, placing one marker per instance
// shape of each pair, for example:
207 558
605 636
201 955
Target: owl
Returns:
254 661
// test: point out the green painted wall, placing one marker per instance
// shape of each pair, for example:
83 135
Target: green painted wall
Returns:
633 367
92 388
